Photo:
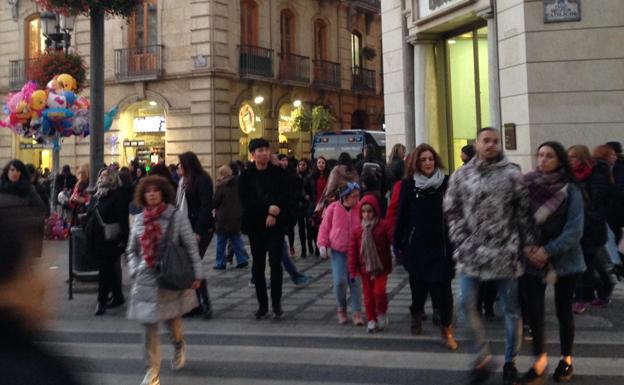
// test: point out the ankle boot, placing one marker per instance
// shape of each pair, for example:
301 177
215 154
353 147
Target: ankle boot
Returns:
416 322
206 305
447 337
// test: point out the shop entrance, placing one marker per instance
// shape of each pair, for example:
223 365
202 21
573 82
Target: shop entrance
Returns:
142 132
468 87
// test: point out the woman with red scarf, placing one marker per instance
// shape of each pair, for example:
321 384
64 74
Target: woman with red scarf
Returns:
593 177
150 304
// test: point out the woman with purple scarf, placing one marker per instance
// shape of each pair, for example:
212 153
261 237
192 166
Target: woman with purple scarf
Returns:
557 207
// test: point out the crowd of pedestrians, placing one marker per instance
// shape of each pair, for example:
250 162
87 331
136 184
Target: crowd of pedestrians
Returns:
502 234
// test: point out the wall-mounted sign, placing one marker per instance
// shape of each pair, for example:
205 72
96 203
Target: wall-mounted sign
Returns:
558 11
427 8
247 119
149 124
134 143
510 136
35 146
285 119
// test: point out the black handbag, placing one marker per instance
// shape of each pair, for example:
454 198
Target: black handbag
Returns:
175 266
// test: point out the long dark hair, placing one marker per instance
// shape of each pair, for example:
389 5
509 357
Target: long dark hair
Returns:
23 184
344 159
562 155
316 173
192 168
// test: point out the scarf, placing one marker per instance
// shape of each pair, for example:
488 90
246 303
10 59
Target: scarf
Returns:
547 193
20 188
435 181
152 232
581 173
106 185
368 249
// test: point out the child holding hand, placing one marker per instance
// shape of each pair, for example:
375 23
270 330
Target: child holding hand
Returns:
370 258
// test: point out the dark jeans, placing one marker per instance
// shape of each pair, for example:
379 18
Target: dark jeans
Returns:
109 280
596 280
271 241
290 233
534 307
487 296
303 225
441 296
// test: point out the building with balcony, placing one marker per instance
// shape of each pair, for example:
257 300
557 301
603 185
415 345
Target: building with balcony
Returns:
535 70
209 76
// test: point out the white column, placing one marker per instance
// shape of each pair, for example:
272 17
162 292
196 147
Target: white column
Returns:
495 116
420 92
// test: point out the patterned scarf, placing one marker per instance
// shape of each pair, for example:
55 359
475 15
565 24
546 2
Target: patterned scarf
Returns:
152 232
547 192
582 172
107 184
368 249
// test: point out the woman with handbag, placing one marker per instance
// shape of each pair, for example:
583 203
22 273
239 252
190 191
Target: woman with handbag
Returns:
107 234
194 198
158 227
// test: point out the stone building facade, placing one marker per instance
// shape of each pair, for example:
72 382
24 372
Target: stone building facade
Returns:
209 75
536 69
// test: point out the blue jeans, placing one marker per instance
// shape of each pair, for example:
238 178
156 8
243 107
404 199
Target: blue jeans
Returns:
289 266
508 293
340 274
237 245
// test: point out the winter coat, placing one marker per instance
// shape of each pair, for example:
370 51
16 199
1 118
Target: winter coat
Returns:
23 362
258 190
28 214
395 171
309 188
338 178
228 210
148 302
199 202
64 182
393 206
421 232
596 192
337 226
487 209
382 234
113 208
561 235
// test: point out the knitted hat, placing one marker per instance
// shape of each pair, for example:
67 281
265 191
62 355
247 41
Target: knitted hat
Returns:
257 143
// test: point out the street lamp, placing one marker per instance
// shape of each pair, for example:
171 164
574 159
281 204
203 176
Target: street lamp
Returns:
57 31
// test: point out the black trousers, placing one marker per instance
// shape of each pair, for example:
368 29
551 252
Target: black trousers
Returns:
303 227
534 308
109 279
487 296
441 296
290 232
596 280
268 241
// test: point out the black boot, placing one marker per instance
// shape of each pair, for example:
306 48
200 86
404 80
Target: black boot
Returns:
206 305
416 321
100 309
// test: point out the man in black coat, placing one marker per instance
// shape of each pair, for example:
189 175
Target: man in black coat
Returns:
264 195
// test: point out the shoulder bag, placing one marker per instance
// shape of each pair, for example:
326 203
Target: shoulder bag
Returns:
111 230
175 267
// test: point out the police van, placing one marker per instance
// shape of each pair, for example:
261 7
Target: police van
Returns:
331 144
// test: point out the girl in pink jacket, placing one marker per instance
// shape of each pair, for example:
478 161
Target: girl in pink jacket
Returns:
339 221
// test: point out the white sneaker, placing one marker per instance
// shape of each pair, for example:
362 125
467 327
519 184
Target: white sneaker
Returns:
151 378
382 321
179 357
371 327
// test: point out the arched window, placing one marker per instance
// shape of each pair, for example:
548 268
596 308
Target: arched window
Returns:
320 40
143 31
249 22
287 30
35 41
356 51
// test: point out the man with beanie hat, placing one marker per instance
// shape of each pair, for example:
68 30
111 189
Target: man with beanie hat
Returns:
264 196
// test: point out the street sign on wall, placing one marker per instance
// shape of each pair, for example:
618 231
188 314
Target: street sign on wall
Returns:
559 11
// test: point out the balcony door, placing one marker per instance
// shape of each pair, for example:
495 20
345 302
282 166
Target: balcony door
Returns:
143 39
35 41
287 43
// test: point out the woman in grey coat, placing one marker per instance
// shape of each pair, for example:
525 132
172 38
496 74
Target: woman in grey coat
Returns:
150 304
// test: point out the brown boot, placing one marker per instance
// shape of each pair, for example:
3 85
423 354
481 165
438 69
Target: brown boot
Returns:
416 324
447 338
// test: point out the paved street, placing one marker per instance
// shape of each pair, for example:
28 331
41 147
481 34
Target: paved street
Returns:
307 346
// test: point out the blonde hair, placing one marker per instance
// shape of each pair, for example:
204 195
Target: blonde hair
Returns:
224 172
85 169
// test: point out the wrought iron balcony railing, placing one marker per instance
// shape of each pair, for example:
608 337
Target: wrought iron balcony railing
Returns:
256 61
143 63
18 73
294 68
363 80
326 74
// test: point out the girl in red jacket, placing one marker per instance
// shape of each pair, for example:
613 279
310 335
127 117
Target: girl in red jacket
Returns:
369 256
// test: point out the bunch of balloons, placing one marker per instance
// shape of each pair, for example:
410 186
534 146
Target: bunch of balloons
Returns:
49 114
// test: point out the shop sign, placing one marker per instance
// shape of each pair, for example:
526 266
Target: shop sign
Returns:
35 146
285 119
134 143
247 119
429 7
557 11
149 124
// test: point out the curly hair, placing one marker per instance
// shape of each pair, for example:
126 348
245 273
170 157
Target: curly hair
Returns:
162 184
412 162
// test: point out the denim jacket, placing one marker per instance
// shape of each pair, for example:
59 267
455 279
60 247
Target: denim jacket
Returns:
565 250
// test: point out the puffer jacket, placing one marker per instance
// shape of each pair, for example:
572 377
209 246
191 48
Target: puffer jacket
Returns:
382 234
336 228
228 209
487 207
148 302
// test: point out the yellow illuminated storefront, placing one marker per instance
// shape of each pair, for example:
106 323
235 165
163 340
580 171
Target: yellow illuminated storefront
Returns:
141 136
